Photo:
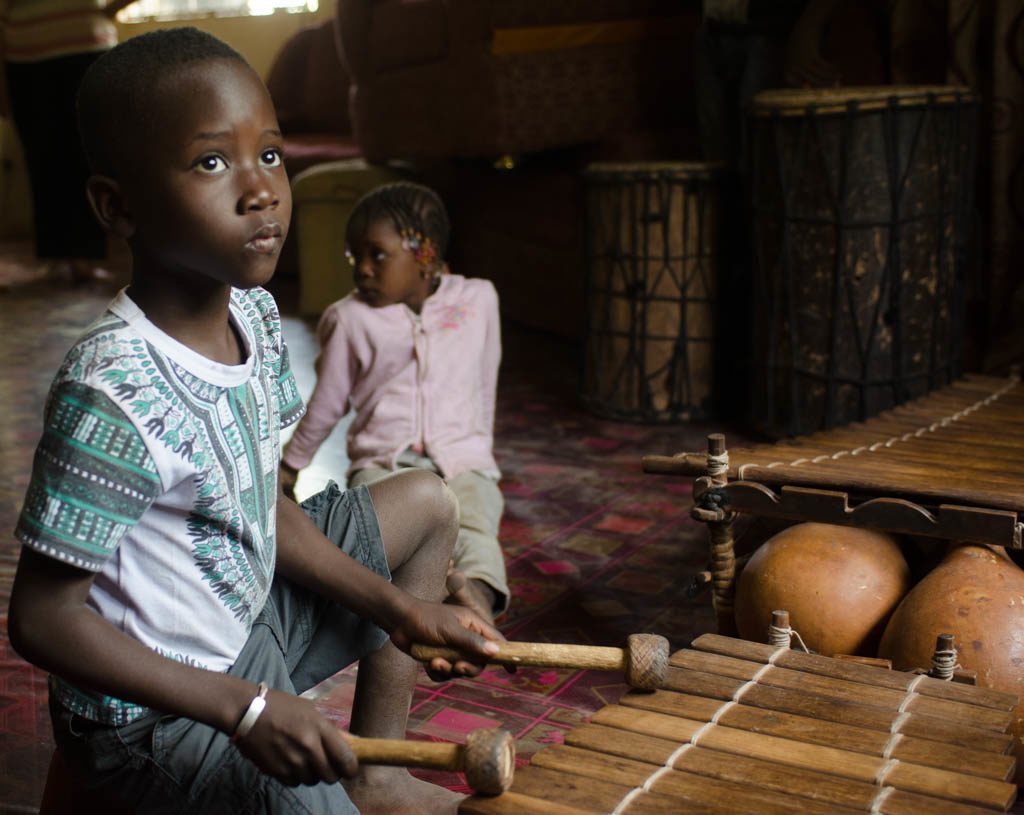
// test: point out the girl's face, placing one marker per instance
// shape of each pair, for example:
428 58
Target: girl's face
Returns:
385 273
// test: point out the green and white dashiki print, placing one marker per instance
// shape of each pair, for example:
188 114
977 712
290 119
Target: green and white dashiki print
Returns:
157 469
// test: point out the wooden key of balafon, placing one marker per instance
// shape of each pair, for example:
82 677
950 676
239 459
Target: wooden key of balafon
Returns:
666 752
644 659
487 758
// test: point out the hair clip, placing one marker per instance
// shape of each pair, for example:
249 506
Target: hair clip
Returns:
422 248
350 257
410 239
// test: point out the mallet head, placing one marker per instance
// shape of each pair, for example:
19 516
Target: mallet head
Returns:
490 760
646 661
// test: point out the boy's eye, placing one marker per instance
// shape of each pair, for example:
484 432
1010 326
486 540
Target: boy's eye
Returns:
211 164
271 157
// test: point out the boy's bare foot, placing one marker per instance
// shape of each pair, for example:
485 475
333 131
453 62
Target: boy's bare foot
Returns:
393 791
474 594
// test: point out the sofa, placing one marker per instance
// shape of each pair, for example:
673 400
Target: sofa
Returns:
309 85
444 78
498 105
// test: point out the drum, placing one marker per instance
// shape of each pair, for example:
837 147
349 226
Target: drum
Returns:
861 201
651 234
746 727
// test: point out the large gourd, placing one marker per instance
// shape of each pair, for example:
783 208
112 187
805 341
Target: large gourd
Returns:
976 594
838 583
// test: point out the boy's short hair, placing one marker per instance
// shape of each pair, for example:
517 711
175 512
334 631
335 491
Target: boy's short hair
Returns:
408 206
117 100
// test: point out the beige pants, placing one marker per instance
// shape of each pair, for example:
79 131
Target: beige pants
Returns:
477 550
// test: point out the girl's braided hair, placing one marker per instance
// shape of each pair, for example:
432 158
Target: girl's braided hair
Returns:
411 207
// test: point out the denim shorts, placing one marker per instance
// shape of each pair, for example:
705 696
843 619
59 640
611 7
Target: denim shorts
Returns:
169 764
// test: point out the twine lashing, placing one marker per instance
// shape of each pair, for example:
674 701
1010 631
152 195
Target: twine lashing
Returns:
783 637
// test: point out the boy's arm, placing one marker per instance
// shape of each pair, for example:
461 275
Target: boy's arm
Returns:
50 625
308 558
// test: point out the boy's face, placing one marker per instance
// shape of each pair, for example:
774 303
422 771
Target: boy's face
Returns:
210 198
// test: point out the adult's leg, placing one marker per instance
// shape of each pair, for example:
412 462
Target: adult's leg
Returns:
418 518
43 108
711 93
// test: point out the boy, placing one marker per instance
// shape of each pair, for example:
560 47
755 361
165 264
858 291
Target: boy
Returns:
163 574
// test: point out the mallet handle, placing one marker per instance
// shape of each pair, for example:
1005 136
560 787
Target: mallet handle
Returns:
541 654
401 753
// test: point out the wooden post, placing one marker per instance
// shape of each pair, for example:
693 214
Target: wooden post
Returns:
943 658
779 632
722 549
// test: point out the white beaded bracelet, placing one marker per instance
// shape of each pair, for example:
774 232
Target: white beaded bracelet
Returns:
259 701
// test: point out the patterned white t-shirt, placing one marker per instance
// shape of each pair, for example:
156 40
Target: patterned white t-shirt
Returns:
157 469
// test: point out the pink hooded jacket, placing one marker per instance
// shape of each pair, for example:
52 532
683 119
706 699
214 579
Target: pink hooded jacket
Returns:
425 382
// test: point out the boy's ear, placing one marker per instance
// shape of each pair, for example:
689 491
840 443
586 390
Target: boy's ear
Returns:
108 205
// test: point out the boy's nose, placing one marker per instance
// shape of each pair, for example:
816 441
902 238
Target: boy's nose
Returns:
258 196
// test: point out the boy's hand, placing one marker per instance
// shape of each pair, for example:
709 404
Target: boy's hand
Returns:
287 476
293 742
452 626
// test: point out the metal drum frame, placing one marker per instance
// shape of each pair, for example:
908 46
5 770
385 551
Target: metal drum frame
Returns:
651 240
861 203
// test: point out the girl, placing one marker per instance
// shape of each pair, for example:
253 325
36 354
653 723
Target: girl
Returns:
414 352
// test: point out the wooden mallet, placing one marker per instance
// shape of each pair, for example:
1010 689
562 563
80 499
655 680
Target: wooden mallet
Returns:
487 758
644 659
